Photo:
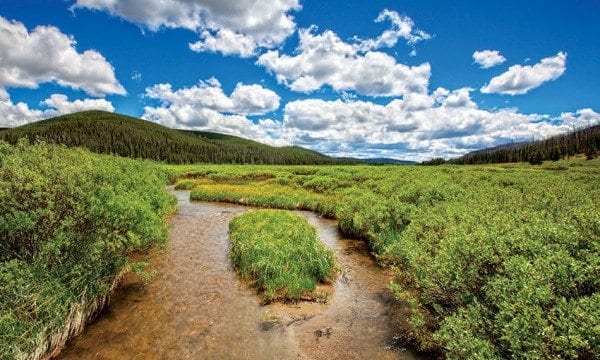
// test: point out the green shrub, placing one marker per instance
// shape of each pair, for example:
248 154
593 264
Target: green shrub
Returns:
68 221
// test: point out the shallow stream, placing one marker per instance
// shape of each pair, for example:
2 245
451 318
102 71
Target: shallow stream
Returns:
197 308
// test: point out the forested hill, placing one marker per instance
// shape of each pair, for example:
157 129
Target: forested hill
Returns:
584 141
110 133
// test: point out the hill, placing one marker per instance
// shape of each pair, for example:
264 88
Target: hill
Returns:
110 133
582 141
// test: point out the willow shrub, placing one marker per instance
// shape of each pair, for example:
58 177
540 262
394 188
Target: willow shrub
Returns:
280 253
68 221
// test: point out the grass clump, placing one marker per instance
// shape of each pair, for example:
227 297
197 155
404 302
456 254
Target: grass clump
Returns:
280 253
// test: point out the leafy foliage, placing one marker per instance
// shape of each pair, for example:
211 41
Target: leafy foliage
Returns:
494 262
280 252
68 221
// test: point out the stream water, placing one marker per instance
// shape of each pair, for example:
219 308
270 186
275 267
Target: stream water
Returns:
197 308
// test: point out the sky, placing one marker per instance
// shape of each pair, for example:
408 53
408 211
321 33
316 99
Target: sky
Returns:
405 79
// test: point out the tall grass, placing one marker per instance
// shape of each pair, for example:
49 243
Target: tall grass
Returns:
280 253
68 221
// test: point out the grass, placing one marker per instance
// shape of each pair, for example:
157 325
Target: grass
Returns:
493 261
279 252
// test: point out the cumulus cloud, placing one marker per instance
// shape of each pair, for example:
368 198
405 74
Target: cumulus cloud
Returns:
61 105
324 59
208 95
226 42
47 55
488 58
206 107
445 123
403 27
12 114
580 118
227 26
418 126
520 79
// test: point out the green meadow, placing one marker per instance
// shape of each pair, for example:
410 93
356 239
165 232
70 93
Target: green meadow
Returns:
493 261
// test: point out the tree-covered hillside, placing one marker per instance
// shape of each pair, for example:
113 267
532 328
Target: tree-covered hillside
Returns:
584 141
110 133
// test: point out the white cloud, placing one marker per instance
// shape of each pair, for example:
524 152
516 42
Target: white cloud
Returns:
520 79
324 59
417 126
61 104
12 114
136 76
488 58
206 107
403 27
45 54
193 118
208 95
229 26
581 118
226 42
254 99
445 123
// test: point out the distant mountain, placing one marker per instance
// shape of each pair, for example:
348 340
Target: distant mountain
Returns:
377 161
110 133
583 141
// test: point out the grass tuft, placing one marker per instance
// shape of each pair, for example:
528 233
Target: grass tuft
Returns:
280 253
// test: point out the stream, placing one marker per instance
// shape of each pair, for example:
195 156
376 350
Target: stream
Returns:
197 308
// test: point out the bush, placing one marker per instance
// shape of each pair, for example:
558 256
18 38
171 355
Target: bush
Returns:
68 221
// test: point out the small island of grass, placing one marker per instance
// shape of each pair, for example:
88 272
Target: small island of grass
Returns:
280 253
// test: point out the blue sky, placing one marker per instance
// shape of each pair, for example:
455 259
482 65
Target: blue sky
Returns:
361 78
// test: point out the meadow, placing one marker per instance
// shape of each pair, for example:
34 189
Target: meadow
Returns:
493 261
279 252
69 221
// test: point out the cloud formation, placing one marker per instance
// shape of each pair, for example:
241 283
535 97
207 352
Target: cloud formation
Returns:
325 59
45 54
520 79
403 27
582 117
444 123
244 100
237 27
417 126
206 107
488 58
12 114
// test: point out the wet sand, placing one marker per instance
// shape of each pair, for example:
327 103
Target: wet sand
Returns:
197 308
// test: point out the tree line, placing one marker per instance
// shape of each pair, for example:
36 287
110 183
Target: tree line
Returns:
582 141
